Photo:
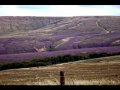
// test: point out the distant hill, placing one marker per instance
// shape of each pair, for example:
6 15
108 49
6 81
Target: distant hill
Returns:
34 34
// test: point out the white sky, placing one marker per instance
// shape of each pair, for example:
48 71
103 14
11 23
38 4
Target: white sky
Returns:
59 10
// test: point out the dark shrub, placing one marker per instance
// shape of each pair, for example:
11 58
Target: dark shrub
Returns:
54 60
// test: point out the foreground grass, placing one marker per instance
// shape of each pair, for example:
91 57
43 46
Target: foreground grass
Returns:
99 71
76 82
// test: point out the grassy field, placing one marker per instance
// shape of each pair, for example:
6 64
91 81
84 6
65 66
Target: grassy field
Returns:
99 71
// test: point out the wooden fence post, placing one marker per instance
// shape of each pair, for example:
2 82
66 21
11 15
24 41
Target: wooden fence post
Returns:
62 78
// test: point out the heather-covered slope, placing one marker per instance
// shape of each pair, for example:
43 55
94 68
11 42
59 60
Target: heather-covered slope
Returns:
38 34
11 58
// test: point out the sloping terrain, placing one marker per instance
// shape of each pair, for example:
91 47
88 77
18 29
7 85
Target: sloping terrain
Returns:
24 39
38 34
99 71
11 25
11 58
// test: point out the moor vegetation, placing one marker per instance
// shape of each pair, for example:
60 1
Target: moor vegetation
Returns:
39 41
96 71
35 42
54 60
31 34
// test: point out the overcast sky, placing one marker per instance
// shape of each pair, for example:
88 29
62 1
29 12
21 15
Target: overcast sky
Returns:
59 10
